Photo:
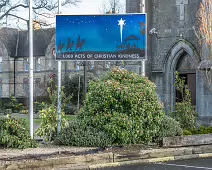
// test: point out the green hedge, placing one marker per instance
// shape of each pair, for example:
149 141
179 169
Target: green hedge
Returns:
199 130
79 135
169 128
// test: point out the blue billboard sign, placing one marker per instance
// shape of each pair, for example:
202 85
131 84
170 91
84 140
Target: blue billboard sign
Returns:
101 37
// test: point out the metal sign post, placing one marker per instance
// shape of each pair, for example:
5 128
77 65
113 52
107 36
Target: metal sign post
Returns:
59 83
31 69
109 37
142 10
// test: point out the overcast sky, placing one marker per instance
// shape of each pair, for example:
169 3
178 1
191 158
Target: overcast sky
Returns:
85 7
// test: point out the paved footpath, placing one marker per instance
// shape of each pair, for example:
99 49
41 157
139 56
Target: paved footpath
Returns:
191 164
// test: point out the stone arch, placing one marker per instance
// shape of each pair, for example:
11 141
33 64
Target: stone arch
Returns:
170 64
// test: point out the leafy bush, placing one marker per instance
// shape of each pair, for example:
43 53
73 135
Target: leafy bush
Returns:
49 123
79 135
199 130
185 115
38 106
15 134
49 115
169 128
12 104
186 133
72 86
184 112
25 111
125 105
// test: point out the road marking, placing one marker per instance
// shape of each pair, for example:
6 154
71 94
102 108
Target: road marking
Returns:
205 155
185 166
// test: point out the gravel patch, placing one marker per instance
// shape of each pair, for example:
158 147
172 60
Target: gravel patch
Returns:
41 151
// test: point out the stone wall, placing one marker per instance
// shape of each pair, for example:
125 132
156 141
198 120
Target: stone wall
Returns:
204 98
6 75
172 25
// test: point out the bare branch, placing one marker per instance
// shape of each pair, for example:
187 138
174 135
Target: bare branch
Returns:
14 7
46 15
3 4
17 17
110 5
44 8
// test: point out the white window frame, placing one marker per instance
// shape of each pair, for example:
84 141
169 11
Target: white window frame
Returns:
77 66
92 65
1 90
1 64
38 64
26 85
26 64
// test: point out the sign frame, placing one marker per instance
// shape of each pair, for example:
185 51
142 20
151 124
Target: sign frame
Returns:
94 59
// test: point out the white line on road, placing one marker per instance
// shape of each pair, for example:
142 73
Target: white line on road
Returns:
185 166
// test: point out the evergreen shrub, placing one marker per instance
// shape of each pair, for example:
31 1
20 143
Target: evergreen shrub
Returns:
169 128
124 105
76 134
15 134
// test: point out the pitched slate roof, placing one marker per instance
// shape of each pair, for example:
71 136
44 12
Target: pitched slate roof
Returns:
14 39
9 37
42 39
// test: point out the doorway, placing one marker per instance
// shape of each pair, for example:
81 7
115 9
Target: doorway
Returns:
190 81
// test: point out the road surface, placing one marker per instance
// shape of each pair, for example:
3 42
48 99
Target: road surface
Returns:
192 164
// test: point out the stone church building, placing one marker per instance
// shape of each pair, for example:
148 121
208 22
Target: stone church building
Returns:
14 64
172 46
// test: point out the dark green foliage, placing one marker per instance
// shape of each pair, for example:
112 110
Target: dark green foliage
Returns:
186 133
185 115
169 128
79 135
125 105
15 134
38 106
49 114
199 130
12 104
184 112
71 87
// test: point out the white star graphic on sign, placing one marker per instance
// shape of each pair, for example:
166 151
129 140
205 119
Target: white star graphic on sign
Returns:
121 24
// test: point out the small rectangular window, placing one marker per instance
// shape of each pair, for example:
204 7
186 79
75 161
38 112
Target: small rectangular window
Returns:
26 85
38 64
77 66
1 64
91 65
26 64
0 88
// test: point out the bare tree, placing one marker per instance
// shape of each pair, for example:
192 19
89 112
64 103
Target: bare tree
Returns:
204 30
42 8
113 6
204 34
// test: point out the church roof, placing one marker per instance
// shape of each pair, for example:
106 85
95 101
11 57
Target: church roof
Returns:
41 40
14 39
9 37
